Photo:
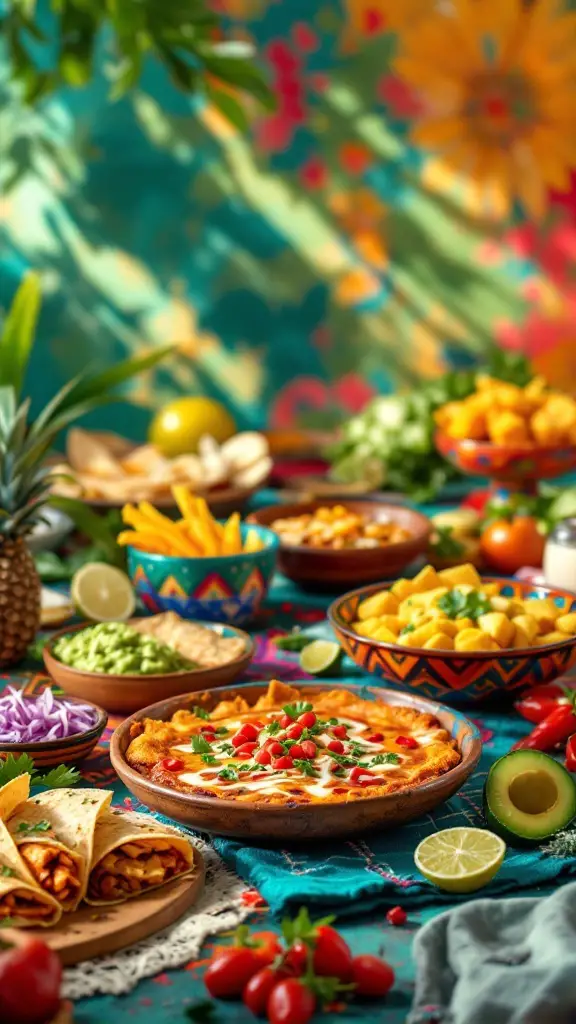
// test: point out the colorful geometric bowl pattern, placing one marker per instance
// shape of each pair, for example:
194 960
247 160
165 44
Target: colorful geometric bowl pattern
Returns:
457 678
506 463
227 588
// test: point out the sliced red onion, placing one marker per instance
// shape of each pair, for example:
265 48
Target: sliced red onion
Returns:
46 717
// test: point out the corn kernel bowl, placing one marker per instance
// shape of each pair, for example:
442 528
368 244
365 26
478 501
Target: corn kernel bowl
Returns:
457 677
509 464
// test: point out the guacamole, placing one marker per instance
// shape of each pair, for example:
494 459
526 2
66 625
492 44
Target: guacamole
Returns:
115 648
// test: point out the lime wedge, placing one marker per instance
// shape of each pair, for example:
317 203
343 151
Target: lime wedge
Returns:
460 859
103 593
320 657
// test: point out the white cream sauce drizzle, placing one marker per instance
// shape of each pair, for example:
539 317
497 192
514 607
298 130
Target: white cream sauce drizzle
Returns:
319 787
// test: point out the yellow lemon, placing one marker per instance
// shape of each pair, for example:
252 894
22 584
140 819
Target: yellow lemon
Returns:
178 426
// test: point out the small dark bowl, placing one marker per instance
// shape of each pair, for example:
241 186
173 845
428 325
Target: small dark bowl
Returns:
75 748
305 822
457 677
323 568
126 693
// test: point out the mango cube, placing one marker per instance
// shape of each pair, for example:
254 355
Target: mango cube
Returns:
419 636
498 627
384 635
382 603
474 640
365 626
391 622
464 623
554 637
429 597
544 611
402 589
567 623
440 642
460 574
427 579
528 625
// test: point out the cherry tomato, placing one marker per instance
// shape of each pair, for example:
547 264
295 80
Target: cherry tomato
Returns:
332 956
246 748
339 731
376 737
571 754
286 721
274 747
263 757
507 546
308 719
296 751
30 977
282 762
310 749
257 991
244 756
296 958
229 971
397 916
336 746
295 731
290 1002
238 739
249 731
171 764
406 741
373 977
268 945
208 728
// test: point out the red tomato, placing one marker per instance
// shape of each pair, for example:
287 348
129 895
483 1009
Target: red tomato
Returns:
30 977
171 764
282 762
268 945
376 737
296 751
290 1002
244 756
257 990
310 749
339 731
208 728
295 731
229 971
246 748
397 916
373 977
285 721
308 719
571 754
507 546
296 958
406 741
336 746
238 739
263 757
332 956
249 731
274 747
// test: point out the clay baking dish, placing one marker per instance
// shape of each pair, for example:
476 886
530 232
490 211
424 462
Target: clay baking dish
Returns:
322 568
307 822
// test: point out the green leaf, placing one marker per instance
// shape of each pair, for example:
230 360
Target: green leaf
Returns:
297 709
229 106
457 605
18 333
12 767
97 385
384 759
239 72
91 525
200 745
57 778
209 759
306 767
229 773
200 713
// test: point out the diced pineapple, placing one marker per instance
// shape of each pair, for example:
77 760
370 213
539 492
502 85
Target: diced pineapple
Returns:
544 611
464 623
391 622
429 597
382 603
516 608
402 589
460 574
447 626
528 625
406 609
384 635
498 627
520 638
419 636
440 642
567 623
366 626
554 637
499 603
427 579
474 640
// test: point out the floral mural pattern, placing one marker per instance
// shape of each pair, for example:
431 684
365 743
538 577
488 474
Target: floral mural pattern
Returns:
411 200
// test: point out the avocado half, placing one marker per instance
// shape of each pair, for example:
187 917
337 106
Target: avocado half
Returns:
528 796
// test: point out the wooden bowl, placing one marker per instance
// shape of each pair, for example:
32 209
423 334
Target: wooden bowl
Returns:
457 677
322 568
47 753
222 501
126 693
309 821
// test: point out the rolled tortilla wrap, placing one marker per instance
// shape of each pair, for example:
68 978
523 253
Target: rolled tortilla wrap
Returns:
133 854
21 900
54 833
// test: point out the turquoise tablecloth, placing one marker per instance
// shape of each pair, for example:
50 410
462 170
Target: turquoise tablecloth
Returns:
358 879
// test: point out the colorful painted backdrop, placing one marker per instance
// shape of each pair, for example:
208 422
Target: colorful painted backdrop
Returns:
412 199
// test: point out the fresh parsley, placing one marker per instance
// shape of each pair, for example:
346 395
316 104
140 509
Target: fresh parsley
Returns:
356 750
200 745
339 772
199 712
306 767
209 759
297 709
12 767
408 629
222 731
25 828
341 758
457 605
57 778
247 767
228 773
273 727
384 759
226 748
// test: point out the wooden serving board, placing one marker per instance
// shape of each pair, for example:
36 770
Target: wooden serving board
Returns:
98 931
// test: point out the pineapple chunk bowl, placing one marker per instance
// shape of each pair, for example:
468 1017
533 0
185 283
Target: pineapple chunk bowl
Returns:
458 637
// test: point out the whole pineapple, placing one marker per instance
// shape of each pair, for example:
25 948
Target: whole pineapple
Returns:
25 480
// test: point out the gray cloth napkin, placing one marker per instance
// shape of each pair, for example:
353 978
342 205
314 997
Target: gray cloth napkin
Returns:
506 961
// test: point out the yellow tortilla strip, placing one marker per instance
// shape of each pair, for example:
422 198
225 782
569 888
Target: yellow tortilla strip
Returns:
134 854
54 831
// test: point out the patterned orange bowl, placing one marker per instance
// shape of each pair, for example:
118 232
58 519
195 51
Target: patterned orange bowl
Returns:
457 677
514 464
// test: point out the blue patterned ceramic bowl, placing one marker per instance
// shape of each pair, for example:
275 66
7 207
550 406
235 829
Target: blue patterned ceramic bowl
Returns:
223 588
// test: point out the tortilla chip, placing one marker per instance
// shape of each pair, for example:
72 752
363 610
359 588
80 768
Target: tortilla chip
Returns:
88 455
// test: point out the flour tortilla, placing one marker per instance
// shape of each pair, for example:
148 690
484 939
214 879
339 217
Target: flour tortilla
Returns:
15 878
73 816
118 828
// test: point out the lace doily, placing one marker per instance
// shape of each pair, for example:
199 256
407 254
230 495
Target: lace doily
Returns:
219 909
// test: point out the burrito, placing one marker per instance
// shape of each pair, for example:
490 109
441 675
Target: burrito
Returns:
134 854
54 834
22 902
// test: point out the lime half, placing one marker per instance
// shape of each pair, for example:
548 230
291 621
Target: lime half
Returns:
320 657
460 859
103 593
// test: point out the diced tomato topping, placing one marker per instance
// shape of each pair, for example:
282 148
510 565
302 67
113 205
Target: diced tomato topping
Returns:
406 741
396 916
285 721
246 748
376 737
258 724
296 751
308 719
295 731
208 736
339 731
360 775
263 756
274 747
336 746
171 764
249 731
339 789
282 762
238 739
335 767
309 749
207 728
243 757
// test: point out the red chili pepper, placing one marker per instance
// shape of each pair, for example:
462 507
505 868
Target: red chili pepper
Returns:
406 741
540 702
556 728
397 916
571 753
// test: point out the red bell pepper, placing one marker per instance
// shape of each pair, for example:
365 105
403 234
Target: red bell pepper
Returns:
541 701
571 753
554 729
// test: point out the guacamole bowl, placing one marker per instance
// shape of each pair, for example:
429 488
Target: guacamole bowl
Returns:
219 588
126 692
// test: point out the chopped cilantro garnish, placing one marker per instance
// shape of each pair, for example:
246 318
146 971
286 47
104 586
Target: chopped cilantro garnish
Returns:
222 731
340 758
247 767
306 767
200 745
384 759
408 629
28 829
226 748
332 721
228 773
457 605
297 709
57 778
273 727
209 759
200 713
356 750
